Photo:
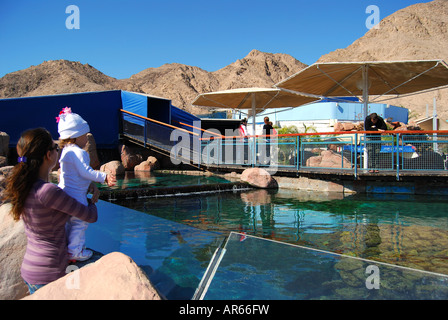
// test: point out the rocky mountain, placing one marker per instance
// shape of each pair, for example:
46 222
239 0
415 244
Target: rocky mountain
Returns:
54 77
417 32
182 83
178 82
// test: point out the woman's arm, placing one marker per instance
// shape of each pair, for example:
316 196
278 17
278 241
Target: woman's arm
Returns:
55 198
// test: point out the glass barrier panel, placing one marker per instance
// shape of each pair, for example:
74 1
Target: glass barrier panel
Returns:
424 152
251 268
328 152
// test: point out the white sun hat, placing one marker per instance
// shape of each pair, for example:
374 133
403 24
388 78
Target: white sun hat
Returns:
71 125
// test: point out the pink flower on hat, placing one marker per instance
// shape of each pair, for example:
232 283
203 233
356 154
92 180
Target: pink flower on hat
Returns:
64 112
67 110
71 125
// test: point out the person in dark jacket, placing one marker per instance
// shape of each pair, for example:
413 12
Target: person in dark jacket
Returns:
374 122
268 130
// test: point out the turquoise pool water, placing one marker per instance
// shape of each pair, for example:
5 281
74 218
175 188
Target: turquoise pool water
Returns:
173 238
174 256
145 179
411 231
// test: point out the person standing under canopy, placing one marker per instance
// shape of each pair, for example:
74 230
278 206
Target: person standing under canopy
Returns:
374 122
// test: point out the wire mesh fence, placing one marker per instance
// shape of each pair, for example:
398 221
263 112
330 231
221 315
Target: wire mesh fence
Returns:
348 152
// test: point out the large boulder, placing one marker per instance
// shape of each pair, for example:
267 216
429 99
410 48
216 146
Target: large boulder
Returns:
4 172
4 144
149 164
113 277
344 126
90 147
12 249
114 167
259 178
328 159
130 158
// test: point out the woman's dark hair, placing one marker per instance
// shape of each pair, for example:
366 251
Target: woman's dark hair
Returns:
32 148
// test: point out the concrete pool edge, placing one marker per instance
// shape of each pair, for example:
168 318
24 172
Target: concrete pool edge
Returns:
172 191
312 182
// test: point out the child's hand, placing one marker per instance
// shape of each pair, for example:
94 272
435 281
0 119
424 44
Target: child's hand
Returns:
110 180
93 189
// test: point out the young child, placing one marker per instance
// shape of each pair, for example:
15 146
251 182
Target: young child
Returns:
76 176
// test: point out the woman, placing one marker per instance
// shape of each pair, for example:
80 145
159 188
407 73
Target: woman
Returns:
43 207
242 130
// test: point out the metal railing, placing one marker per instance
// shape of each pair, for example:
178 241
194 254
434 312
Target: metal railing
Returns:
348 152
355 152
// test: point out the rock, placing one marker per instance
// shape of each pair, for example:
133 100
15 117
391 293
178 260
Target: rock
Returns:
115 276
3 161
348 126
258 177
149 164
328 159
344 126
129 158
114 167
4 144
90 147
12 249
4 172
338 127
396 126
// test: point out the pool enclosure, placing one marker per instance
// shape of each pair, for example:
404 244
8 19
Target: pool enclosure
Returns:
351 152
252 268
185 262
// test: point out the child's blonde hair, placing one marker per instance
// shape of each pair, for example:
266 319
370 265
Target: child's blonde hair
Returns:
63 142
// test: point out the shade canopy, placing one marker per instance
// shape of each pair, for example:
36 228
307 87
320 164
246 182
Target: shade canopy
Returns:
382 78
248 98
254 99
366 79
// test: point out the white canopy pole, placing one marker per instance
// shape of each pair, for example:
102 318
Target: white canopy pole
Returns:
365 90
254 104
365 98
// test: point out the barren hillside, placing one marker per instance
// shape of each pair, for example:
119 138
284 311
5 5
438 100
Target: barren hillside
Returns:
178 82
54 77
418 32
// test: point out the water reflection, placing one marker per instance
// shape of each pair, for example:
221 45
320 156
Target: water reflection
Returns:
147 179
405 230
246 271
173 255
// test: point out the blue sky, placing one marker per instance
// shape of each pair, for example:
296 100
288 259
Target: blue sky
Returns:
121 38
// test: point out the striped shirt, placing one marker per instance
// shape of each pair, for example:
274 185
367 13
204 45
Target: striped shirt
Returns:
47 209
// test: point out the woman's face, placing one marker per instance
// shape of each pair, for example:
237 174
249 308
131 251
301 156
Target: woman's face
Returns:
54 152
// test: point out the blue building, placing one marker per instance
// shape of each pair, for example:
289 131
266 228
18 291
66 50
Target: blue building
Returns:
323 115
100 109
